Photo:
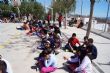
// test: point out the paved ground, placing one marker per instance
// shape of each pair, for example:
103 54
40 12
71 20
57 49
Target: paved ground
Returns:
19 49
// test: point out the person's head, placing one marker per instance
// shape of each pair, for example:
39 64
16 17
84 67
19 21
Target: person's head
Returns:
3 67
85 38
47 53
90 41
74 35
47 44
0 56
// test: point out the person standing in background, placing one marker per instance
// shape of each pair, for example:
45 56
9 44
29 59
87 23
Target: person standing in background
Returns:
60 18
48 18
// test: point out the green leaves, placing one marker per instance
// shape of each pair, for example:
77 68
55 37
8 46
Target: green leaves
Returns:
61 5
34 8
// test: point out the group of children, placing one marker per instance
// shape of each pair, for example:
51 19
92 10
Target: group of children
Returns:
81 62
51 43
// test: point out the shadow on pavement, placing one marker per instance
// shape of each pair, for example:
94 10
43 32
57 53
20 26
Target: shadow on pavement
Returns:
104 63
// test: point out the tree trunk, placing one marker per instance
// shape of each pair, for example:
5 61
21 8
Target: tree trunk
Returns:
107 17
65 18
81 7
90 18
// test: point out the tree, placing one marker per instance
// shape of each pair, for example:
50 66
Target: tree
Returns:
107 14
34 8
6 9
60 5
92 2
6 1
91 15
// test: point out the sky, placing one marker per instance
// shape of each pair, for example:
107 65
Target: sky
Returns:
100 8
47 3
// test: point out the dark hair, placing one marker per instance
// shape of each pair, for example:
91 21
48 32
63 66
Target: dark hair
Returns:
3 66
74 34
85 37
47 52
0 56
90 40
44 22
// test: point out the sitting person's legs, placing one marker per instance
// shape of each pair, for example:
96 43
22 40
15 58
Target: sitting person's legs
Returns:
47 69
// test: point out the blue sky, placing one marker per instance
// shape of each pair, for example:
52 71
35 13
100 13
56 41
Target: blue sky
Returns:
47 3
100 9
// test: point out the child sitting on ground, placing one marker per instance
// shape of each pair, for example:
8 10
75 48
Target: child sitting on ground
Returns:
73 61
46 61
71 46
49 62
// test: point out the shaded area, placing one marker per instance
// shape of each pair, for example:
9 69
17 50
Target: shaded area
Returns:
104 63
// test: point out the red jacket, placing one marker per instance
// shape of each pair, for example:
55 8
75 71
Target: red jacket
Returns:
73 41
60 18
49 17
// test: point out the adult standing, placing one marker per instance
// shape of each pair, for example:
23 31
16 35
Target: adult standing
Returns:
48 18
60 18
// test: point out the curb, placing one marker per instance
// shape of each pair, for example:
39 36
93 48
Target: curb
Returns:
97 67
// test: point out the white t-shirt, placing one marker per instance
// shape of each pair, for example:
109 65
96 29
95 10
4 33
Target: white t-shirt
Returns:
85 66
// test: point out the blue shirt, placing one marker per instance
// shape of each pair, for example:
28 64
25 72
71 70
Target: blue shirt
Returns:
51 62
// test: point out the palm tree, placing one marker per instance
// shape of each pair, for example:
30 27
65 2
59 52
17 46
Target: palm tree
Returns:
91 15
107 14
60 5
64 6
92 3
81 6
